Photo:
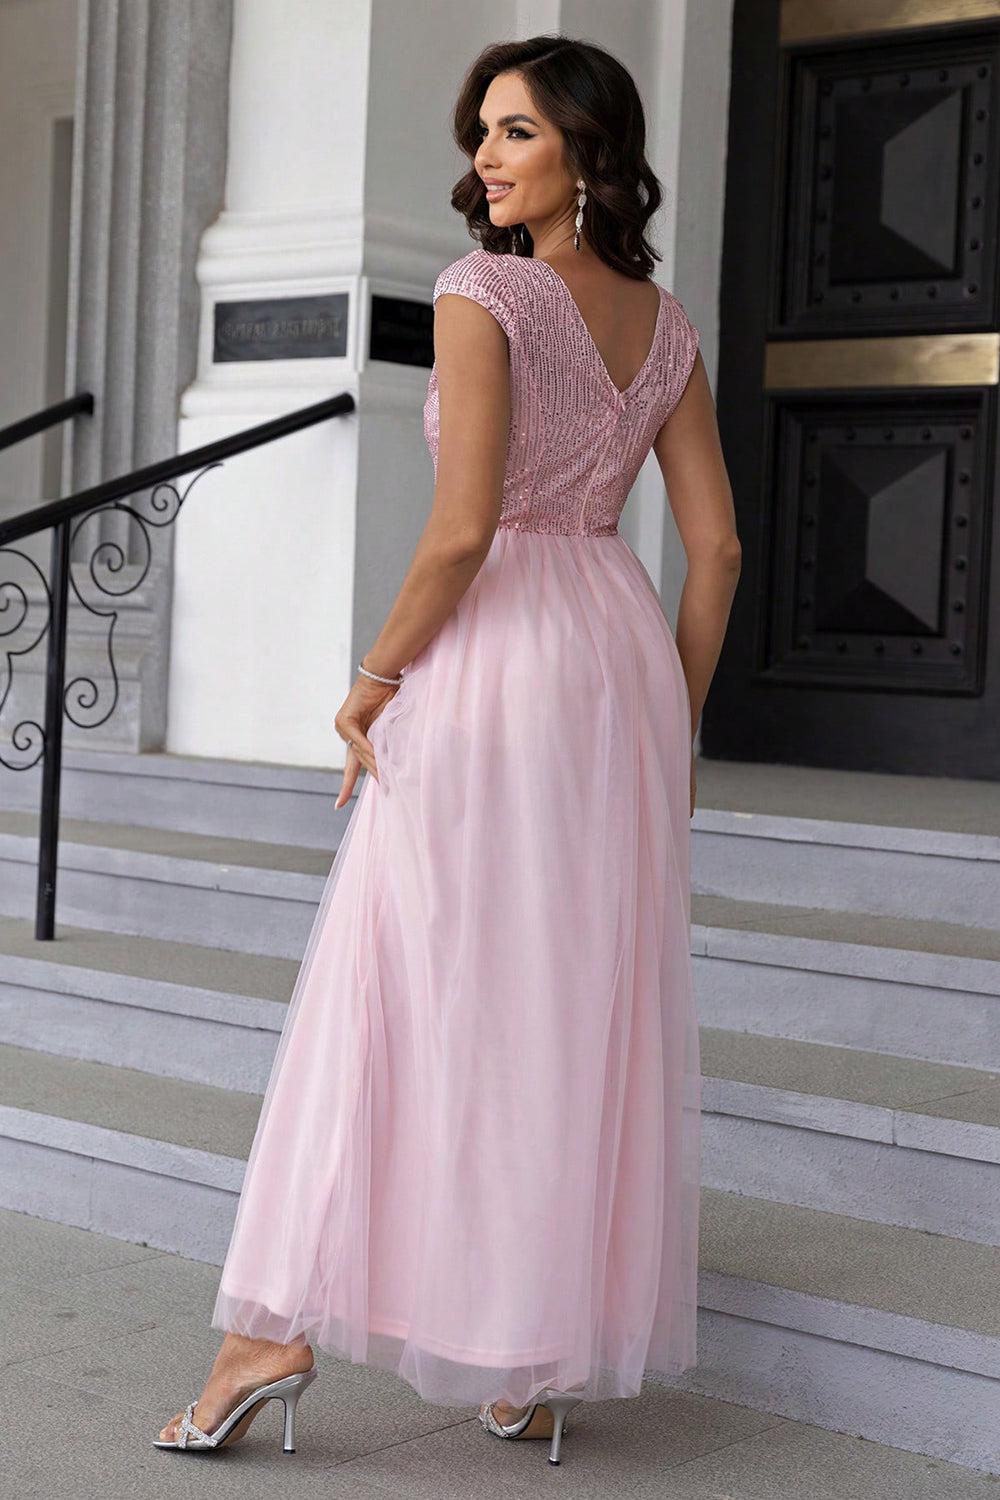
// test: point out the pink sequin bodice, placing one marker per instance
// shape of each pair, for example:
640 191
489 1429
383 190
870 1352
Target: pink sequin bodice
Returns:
576 442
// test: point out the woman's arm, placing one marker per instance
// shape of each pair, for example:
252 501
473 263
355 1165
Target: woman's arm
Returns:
473 374
690 458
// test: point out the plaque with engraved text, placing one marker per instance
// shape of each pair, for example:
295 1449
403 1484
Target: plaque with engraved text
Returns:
308 327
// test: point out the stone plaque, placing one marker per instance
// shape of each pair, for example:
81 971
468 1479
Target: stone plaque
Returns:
313 327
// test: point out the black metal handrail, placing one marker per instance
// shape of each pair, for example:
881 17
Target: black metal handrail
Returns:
54 512
49 416
79 508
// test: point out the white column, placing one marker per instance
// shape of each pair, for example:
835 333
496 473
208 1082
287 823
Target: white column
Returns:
262 636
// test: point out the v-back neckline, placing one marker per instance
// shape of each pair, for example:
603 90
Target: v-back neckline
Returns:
598 356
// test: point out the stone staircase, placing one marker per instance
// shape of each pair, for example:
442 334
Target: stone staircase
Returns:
846 942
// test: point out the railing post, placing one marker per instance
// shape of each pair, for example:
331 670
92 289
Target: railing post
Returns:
55 681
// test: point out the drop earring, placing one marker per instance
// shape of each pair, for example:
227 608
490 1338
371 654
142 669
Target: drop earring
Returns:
579 211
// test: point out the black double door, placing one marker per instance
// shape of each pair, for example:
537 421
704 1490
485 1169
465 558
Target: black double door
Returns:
857 390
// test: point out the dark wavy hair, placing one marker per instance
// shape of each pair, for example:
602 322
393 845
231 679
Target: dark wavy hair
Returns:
593 100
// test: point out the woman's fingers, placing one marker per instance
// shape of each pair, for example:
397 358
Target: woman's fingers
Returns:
359 753
350 777
363 749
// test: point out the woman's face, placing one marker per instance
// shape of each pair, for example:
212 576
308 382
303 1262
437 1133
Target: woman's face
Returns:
519 147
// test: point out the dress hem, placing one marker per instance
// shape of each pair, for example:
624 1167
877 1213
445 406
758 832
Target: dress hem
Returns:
440 1379
396 1329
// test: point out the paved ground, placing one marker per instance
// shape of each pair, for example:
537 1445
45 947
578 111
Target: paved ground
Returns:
101 1341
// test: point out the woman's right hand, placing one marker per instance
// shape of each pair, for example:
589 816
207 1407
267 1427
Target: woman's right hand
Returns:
363 705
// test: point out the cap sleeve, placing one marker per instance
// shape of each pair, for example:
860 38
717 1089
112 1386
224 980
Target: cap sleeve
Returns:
480 276
682 347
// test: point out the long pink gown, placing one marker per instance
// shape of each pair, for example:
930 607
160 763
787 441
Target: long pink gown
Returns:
477 1157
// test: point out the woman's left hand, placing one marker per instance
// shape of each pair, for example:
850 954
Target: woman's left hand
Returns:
357 713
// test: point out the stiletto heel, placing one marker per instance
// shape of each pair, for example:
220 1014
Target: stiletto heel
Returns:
559 1405
287 1390
558 1402
291 1401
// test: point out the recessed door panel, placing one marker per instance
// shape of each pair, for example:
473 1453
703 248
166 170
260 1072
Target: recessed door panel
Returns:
857 392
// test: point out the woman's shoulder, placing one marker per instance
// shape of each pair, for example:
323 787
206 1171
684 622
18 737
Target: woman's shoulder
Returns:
478 268
682 340
679 323
485 277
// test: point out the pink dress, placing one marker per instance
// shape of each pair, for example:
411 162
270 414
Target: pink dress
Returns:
477 1157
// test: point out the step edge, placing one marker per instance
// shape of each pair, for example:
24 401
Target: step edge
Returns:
935 843
856 1323
103 1143
851 959
879 1124
207 769
165 995
168 869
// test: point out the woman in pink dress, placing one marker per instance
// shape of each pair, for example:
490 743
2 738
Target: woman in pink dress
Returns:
477 1157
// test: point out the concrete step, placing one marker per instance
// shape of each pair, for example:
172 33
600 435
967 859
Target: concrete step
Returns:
162 883
920 847
194 794
890 1139
177 1010
900 846
293 804
924 989
153 1160
203 888
872 868
889 1333
941 803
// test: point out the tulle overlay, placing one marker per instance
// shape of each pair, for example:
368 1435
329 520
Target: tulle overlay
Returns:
477 1158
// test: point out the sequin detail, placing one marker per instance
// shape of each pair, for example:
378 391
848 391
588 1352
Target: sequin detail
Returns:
187 1429
576 442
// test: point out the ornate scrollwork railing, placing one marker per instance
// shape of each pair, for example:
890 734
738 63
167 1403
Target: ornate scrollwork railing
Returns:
15 599
107 560
19 633
15 609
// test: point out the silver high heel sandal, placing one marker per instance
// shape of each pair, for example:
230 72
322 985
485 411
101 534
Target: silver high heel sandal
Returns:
558 1403
287 1390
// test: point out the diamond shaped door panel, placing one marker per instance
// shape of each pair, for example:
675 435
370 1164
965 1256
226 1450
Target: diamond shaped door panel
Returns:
891 205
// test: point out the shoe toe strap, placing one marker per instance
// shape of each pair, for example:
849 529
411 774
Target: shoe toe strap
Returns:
187 1428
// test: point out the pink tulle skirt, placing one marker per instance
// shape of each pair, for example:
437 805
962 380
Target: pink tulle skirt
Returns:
477 1158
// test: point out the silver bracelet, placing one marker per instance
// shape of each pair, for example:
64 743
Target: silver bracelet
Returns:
394 680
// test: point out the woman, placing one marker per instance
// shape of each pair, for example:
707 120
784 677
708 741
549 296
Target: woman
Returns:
477 1159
